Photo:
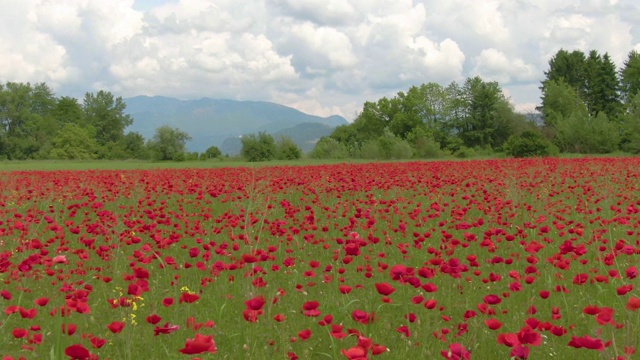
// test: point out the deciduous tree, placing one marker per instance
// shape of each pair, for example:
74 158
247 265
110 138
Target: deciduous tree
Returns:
168 144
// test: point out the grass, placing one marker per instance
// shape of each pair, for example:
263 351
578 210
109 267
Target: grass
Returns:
53 165
296 234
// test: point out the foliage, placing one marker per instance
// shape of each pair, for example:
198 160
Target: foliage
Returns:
630 140
593 78
286 149
106 114
168 144
134 147
260 147
630 76
386 147
529 144
584 134
329 148
74 142
25 121
477 113
559 101
464 152
212 152
424 145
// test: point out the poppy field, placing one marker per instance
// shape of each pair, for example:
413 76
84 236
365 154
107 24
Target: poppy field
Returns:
491 259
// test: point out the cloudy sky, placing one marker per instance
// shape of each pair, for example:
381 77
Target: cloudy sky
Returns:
320 56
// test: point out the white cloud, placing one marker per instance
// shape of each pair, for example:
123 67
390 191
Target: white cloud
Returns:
494 65
322 56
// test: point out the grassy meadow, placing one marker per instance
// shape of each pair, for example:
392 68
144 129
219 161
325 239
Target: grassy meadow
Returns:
479 259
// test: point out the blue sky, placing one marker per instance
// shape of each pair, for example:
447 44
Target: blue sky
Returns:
146 5
321 56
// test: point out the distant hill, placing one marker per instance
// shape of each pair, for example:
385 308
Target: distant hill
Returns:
211 121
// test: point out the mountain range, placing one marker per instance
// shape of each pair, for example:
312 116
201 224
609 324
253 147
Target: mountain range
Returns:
222 122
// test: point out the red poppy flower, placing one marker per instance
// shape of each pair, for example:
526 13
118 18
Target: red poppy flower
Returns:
362 316
255 303
527 335
337 331
429 287
41 301
189 297
378 349
116 326
20 333
493 324
384 288
404 330
199 344
310 308
492 299
69 329
586 342
456 352
97 342
77 352
165 329
153 319
304 334
633 304
355 353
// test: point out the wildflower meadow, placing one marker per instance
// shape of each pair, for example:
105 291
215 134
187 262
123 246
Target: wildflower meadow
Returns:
482 259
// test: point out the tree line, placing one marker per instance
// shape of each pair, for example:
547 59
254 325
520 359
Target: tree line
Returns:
588 106
35 124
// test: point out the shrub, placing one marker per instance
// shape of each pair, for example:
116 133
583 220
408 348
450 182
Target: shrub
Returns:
387 146
329 148
260 147
212 152
528 144
287 149
464 152
424 144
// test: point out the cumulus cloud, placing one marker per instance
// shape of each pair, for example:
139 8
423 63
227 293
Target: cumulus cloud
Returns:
320 56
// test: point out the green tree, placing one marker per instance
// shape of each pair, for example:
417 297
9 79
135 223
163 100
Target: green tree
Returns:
68 110
482 115
260 147
385 147
630 76
329 148
601 92
581 133
286 149
346 134
26 121
134 147
168 144
559 101
424 144
411 114
374 118
630 141
528 144
106 114
74 142
569 67
212 152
